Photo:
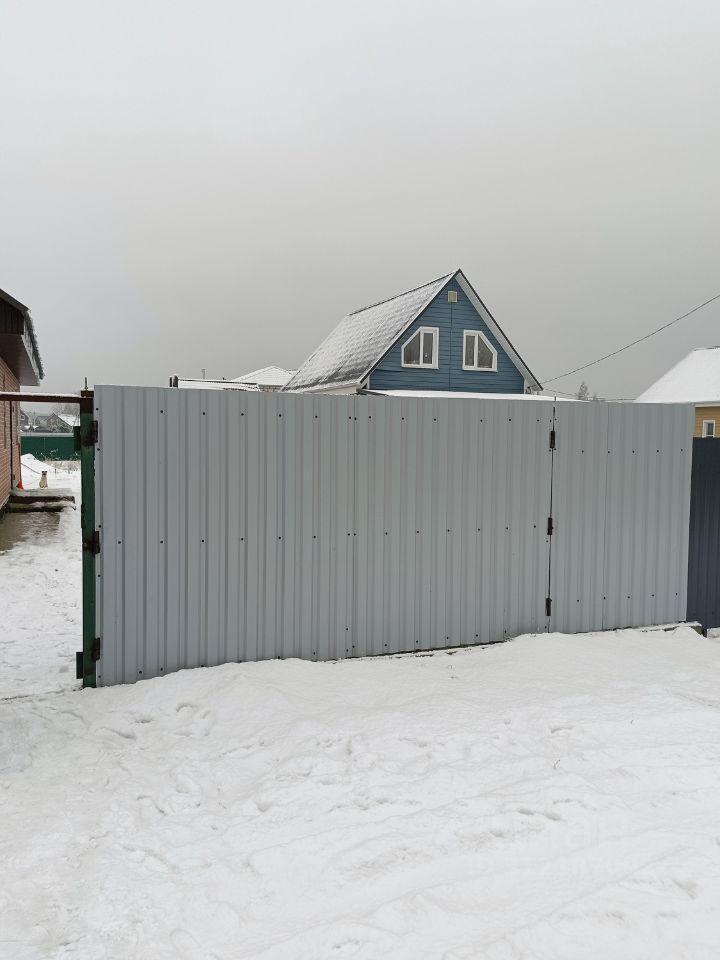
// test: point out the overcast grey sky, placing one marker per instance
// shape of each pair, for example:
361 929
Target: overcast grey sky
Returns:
188 185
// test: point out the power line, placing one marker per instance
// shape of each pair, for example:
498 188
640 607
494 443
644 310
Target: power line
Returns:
635 342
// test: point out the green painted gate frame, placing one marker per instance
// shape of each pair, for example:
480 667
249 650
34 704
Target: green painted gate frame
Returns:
86 438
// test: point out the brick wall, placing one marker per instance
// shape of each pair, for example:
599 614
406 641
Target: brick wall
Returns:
8 381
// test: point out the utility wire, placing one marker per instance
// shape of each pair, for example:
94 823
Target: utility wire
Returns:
635 342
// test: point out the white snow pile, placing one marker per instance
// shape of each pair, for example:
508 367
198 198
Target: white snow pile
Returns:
555 797
60 473
695 379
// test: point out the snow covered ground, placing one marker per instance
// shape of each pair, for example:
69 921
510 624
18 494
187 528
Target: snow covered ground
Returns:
40 584
552 798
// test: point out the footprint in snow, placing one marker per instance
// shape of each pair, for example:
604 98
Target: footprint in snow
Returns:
125 734
346 948
548 814
193 707
186 946
689 886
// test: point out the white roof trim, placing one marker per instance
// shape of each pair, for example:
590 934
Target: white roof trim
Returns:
677 403
496 330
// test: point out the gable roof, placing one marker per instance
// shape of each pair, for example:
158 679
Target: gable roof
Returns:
271 376
350 352
695 379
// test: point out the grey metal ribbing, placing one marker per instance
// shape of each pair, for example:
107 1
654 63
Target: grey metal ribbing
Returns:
621 493
244 526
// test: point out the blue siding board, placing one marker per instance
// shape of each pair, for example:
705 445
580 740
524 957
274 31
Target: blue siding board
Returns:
451 319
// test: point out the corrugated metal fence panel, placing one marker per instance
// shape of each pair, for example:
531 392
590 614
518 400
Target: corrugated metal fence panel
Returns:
579 516
704 560
621 485
648 510
242 526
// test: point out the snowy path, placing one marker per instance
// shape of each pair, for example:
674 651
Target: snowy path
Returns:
40 601
552 798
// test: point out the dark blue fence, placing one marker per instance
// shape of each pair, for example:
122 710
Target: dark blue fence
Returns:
704 557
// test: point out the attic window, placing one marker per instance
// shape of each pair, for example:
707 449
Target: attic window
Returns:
708 428
452 296
478 352
421 350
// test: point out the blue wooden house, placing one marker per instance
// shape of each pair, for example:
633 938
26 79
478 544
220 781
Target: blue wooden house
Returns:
437 337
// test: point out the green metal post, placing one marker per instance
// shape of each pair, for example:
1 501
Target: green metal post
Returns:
90 543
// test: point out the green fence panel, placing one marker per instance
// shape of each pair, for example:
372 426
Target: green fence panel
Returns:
49 446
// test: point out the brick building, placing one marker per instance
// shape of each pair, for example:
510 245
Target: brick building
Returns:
20 365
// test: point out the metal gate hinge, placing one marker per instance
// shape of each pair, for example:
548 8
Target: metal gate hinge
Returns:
80 658
548 607
91 543
90 437
550 527
552 439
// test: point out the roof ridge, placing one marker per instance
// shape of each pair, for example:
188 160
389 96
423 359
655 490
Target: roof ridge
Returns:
429 283
268 366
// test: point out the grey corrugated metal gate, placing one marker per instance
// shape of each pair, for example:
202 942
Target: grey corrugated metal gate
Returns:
704 561
242 526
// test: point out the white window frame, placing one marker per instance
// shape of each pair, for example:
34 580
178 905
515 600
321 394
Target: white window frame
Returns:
476 369
435 331
705 425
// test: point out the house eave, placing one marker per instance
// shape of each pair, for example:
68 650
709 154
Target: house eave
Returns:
18 343
17 352
324 387
688 403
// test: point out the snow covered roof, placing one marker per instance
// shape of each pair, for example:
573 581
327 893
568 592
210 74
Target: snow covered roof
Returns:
695 379
349 353
266 377
187 383
345 356
71 419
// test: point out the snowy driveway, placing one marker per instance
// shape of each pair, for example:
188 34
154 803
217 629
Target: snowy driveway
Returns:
554 797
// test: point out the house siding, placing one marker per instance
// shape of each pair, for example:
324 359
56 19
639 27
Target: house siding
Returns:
706 413
451 319
9 382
